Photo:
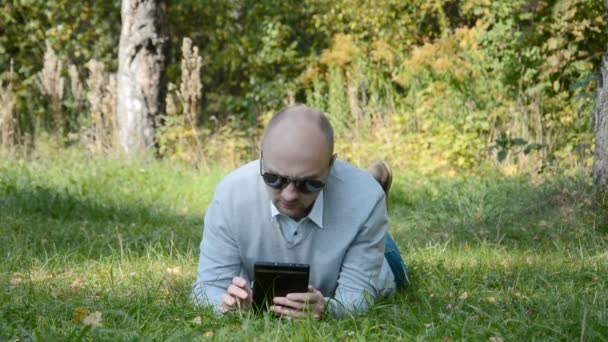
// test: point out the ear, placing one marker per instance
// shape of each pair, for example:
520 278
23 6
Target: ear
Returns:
260 149
333 159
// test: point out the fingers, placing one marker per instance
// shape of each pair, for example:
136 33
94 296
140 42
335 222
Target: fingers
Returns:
228 300
285 312
299 305
290 312
239 288
237 296
311 296
285 302
228 303
237 292
240 282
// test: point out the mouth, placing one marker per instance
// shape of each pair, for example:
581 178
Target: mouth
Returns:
289 205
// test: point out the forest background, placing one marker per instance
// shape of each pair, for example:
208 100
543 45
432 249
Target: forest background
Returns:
433 85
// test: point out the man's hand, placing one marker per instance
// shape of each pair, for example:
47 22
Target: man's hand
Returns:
238 296
300 305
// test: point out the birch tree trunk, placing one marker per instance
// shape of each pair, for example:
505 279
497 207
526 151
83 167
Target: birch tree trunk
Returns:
141 75
600 161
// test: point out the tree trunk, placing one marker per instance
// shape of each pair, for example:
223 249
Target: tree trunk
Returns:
141 74
600 162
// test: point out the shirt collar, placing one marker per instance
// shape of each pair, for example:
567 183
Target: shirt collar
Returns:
315 214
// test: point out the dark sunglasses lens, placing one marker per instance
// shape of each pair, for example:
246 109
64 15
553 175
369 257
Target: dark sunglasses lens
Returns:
273 181
310 186
279 182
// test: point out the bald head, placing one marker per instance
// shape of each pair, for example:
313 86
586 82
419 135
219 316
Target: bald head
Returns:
300 125
298 144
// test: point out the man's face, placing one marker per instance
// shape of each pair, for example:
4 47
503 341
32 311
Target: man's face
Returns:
303 166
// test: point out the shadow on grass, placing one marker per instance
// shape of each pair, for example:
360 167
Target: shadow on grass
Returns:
43 220
38 219
512 212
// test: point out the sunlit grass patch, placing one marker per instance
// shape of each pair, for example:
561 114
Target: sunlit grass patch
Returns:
108 249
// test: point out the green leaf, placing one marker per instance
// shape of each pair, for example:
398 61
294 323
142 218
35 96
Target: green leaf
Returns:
533 147
502 155
518 142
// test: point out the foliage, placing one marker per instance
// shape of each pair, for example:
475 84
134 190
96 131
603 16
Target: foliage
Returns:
78 31
443 79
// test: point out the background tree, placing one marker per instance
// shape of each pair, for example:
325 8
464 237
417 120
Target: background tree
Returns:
141 74
600 162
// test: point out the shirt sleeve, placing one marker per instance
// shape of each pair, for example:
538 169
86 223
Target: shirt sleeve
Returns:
357 283
219 258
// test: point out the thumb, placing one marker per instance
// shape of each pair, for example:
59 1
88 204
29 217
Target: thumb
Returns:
312 289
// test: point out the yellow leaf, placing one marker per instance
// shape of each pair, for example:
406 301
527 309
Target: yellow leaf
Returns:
496 339
208 334
79 314
510 170
464 295
556 85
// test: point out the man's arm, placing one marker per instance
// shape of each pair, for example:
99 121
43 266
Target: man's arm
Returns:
361 265
219 260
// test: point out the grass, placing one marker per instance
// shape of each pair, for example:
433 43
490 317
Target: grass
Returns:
490 256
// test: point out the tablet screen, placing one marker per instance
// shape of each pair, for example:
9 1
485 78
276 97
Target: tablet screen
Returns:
272 279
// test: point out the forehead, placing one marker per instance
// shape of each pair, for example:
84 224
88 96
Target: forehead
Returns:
296 153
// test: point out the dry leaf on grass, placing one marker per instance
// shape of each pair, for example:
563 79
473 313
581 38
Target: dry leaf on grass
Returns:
464 295
197 320
16 280
93 319
76 285
177 270
78 314
208 334
496 339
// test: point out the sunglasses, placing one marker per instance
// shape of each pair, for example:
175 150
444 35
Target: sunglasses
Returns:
279 182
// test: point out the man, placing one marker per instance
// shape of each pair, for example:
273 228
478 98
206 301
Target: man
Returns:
298 204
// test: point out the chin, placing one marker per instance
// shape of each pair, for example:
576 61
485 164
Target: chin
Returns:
294 213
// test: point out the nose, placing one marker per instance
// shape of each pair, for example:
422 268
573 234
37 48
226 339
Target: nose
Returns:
289 193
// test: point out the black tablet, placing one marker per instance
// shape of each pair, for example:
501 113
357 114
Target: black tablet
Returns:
276 279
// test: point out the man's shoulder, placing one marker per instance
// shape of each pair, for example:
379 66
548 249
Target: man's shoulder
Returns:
241 178
350 182
348 173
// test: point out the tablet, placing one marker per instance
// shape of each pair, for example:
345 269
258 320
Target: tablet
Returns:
276 279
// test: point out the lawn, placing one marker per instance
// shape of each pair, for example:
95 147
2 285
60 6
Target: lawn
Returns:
103 248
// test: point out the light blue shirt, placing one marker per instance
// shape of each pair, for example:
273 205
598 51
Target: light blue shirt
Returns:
294 230
342 238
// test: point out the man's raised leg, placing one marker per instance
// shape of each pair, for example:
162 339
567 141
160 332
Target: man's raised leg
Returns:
384 176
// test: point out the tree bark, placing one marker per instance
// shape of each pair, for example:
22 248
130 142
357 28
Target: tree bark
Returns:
141 75
600 161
